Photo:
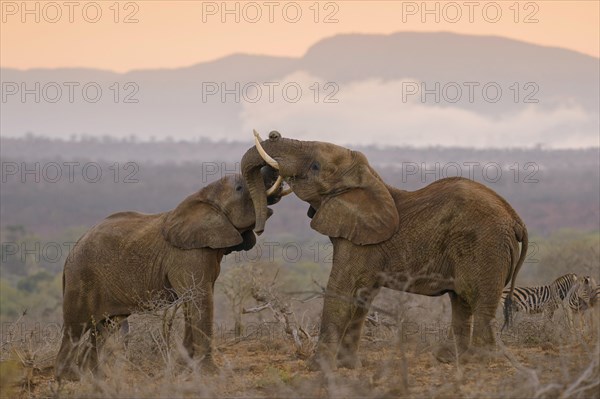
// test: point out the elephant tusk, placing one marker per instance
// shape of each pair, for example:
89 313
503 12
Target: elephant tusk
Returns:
286 191
273 163
257 135
275 186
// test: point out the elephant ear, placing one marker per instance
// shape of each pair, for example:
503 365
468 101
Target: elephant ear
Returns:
365 214
246 245
197 224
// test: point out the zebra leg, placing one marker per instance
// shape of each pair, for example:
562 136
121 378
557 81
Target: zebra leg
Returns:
550 309
582 324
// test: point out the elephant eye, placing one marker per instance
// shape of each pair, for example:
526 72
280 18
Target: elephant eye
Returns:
315 166
238 188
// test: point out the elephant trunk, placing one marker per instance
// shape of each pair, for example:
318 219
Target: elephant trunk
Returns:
251 164
278 156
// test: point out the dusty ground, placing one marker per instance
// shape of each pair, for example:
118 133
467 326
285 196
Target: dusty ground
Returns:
543 364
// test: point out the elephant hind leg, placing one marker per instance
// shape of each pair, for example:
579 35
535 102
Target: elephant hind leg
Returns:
99 335
66 367
484 339
117 324
124 331
88 354
90 361
484 330
462 321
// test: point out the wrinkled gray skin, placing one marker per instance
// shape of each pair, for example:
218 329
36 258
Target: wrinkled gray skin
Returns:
131 259
454 237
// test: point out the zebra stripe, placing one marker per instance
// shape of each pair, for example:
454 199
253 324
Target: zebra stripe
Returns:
595 296
545 297
590 291
578 300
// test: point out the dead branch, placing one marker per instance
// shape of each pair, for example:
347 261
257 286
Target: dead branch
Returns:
256 309
588 377
267 298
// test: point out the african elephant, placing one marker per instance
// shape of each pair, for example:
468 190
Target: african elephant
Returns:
131 259
454 236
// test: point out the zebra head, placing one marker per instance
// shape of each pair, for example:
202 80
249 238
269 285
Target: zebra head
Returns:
589 282
589 288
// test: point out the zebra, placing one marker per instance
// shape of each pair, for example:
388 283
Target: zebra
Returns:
590 291
544 298
579 297
586 297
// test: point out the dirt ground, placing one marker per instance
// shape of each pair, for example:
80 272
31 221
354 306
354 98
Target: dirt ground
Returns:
541 360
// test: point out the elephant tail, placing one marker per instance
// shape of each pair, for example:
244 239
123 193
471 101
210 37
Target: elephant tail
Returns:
522 237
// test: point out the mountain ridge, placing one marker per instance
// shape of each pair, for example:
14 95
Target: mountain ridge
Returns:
543 92
311 48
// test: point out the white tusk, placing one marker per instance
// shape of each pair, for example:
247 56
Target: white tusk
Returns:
273 163
275 186
286 191
257 135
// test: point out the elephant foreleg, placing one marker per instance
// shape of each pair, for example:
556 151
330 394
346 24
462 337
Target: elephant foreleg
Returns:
347 354
188 339
198 315
335 318
344 310
202 329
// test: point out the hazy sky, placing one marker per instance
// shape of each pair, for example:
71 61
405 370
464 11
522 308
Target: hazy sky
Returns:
181 33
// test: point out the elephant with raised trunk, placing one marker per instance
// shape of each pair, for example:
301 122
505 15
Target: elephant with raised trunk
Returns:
131 260
454 236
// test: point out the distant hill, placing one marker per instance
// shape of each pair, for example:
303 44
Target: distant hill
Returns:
33 148
448 57
548 95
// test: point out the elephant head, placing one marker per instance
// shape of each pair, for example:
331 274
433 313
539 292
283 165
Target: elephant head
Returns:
220 215
347 197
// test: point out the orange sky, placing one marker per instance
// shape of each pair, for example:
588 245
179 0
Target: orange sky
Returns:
173 34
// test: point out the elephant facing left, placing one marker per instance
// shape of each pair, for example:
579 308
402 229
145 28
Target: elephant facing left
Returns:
130 259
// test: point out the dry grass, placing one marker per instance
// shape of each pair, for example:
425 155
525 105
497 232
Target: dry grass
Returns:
541 359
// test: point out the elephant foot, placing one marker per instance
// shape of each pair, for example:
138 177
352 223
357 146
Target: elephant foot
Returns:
208 366
321 363
93 367
98 372
68 375
65 368
478 355
445 353
349 361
